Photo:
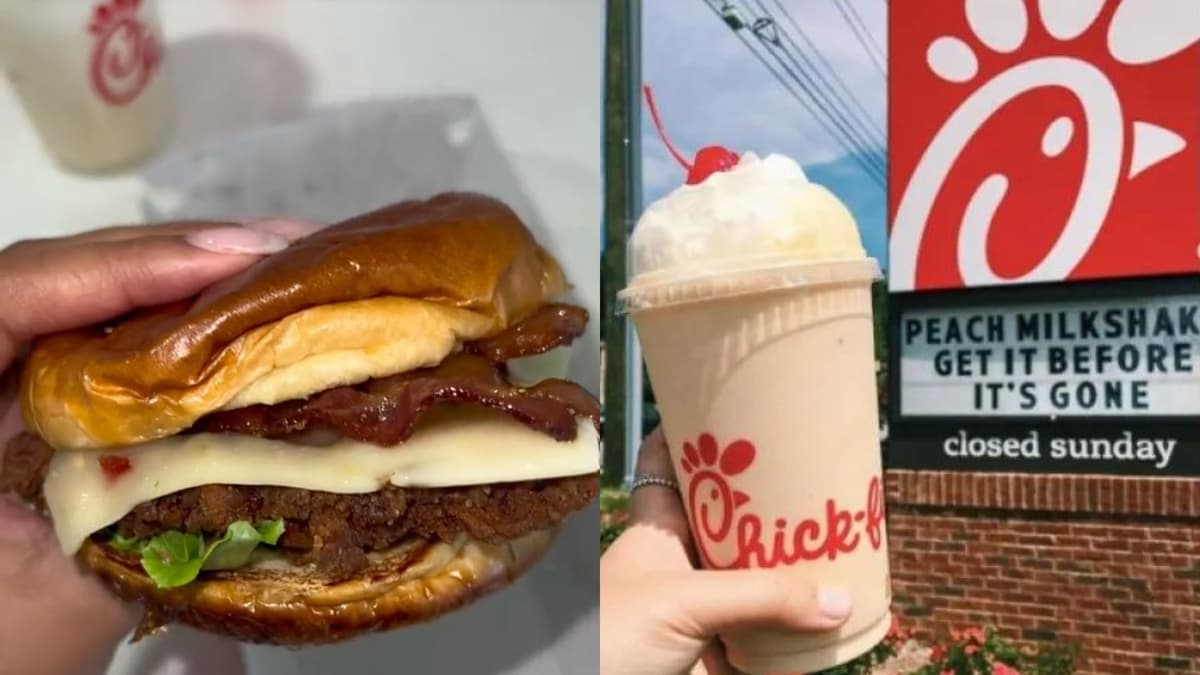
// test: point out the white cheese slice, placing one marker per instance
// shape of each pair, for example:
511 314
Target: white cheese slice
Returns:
472 449
529 370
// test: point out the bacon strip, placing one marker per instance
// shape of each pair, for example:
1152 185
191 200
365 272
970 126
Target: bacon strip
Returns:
549 327
385 411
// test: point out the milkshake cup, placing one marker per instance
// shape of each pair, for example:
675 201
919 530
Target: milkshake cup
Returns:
752 300
89 76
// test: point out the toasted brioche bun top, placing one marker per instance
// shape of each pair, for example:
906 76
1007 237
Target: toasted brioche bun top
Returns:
383 293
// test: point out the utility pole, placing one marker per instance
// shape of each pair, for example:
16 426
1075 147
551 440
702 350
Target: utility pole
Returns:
622 79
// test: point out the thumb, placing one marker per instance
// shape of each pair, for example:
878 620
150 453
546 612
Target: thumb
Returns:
715 601
47 289
46 594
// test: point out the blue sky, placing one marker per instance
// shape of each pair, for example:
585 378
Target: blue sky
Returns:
711 90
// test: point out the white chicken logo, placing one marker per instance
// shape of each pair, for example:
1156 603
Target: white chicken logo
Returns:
1140 32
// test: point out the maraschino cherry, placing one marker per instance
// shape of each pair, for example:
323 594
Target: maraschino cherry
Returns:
709 159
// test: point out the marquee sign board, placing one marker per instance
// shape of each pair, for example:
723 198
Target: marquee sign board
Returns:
1044 234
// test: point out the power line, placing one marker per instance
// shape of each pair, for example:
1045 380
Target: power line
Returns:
867 118
849 4
766 30
819 86
866 166
862 40
815 63
770 38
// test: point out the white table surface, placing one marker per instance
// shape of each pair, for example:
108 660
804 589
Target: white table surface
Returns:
322 109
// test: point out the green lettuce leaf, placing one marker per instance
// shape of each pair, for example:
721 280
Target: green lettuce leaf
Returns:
241 538
126 544
174 558
270 531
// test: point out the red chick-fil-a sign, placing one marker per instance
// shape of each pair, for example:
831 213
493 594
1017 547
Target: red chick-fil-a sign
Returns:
1042 141
722 514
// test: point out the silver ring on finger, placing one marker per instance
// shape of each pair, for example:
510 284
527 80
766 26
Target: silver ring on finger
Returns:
644 480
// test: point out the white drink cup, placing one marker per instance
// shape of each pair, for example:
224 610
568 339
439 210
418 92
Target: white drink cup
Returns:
89 75
764 376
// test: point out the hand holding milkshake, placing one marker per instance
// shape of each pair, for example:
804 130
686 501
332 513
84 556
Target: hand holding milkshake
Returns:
751 294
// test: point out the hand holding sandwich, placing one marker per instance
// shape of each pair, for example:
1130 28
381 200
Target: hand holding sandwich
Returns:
153 438
55 619
661 615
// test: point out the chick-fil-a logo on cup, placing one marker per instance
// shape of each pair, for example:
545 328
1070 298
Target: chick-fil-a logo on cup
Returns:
1042 140
721 513
125 53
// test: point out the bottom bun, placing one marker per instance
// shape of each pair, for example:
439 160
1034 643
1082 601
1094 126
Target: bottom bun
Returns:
273 602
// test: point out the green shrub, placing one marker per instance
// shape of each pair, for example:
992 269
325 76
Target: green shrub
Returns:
976 651
973 651
614 514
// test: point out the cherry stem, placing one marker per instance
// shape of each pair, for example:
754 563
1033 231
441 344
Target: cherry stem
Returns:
662 133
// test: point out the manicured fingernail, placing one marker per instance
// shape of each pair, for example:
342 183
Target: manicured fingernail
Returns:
833 602
237 240
292 228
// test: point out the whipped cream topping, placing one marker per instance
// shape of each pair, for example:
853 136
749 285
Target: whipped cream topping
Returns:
760 208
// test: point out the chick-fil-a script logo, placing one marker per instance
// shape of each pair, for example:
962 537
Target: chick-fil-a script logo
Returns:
1042 140
721 513
125 54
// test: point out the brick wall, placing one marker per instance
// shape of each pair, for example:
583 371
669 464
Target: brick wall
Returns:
1112 564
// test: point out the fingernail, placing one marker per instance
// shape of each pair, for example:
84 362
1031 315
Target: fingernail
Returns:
237 240
833 602
292 228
